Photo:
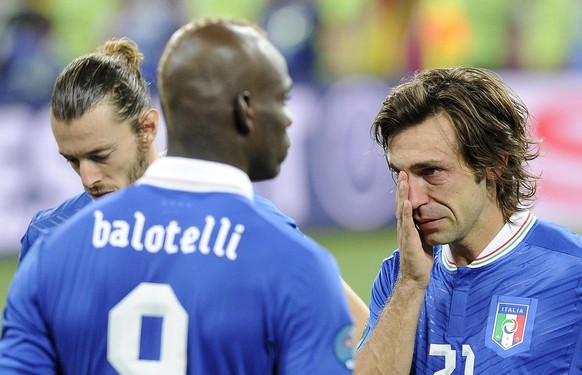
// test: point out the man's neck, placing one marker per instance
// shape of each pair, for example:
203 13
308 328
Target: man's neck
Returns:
472 245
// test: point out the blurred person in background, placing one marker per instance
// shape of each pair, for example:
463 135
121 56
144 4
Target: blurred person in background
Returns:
478 284
207 281
294 27
149 24
28 66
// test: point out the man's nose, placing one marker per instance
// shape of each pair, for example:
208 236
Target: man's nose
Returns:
418 191
89 172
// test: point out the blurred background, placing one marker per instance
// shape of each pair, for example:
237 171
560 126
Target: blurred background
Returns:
344 55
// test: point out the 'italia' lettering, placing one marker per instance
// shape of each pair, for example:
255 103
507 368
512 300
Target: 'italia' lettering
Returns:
170 238
512 310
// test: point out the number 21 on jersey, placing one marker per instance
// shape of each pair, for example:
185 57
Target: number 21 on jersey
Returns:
450 355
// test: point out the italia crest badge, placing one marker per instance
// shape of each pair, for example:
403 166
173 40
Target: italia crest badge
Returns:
510 324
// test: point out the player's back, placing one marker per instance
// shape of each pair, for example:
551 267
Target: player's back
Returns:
170 280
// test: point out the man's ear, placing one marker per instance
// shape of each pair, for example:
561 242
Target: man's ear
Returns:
149 125
243 113
496 172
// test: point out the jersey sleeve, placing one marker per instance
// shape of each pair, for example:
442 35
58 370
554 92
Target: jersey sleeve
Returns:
316 329
28 238
381 291
44 221
269 209
25 346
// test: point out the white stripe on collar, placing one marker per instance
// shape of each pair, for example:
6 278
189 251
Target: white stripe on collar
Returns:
506 240
195 175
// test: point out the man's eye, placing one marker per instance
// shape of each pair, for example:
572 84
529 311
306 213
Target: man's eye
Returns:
73 162
433 174
394 174
99 158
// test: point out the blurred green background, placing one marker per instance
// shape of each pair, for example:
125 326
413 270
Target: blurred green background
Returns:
323 40
7 268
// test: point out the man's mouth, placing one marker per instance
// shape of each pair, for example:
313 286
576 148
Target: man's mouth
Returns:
98 194
427 224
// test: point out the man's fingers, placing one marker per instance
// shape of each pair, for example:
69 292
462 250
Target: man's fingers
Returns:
407 229
401 194
404 207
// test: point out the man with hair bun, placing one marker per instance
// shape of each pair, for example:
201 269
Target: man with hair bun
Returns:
105 126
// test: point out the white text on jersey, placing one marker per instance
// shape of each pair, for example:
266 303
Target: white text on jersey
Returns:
171 238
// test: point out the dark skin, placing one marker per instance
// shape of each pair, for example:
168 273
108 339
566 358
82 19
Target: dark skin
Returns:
240 120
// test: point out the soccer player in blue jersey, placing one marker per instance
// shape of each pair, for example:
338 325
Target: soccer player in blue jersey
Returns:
184 272
104 124
479 285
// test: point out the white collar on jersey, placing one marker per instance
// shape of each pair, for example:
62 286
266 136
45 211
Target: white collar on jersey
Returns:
196 175
506 240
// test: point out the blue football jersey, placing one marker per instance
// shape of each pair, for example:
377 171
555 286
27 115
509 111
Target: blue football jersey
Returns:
181 273
514 310
45 220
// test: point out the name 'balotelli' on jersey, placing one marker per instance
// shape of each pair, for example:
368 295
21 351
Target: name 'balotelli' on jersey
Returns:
171 276
171 238
514 310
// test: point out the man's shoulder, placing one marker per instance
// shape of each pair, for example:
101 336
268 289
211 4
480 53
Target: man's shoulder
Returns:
269 208
555 237
273 227
45 219
554 243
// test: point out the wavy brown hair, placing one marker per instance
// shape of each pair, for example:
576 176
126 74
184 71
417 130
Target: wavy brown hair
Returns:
112 73
490 122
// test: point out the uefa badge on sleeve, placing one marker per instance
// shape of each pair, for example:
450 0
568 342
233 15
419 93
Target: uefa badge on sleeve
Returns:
510 324
344 346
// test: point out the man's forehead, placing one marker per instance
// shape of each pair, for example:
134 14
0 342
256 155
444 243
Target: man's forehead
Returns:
103 110
96 130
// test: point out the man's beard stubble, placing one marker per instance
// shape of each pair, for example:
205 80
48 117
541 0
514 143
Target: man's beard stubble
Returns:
140 165
135 172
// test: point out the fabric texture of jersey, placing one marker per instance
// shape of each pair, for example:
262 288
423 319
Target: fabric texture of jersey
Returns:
45 220
180 273
514 310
